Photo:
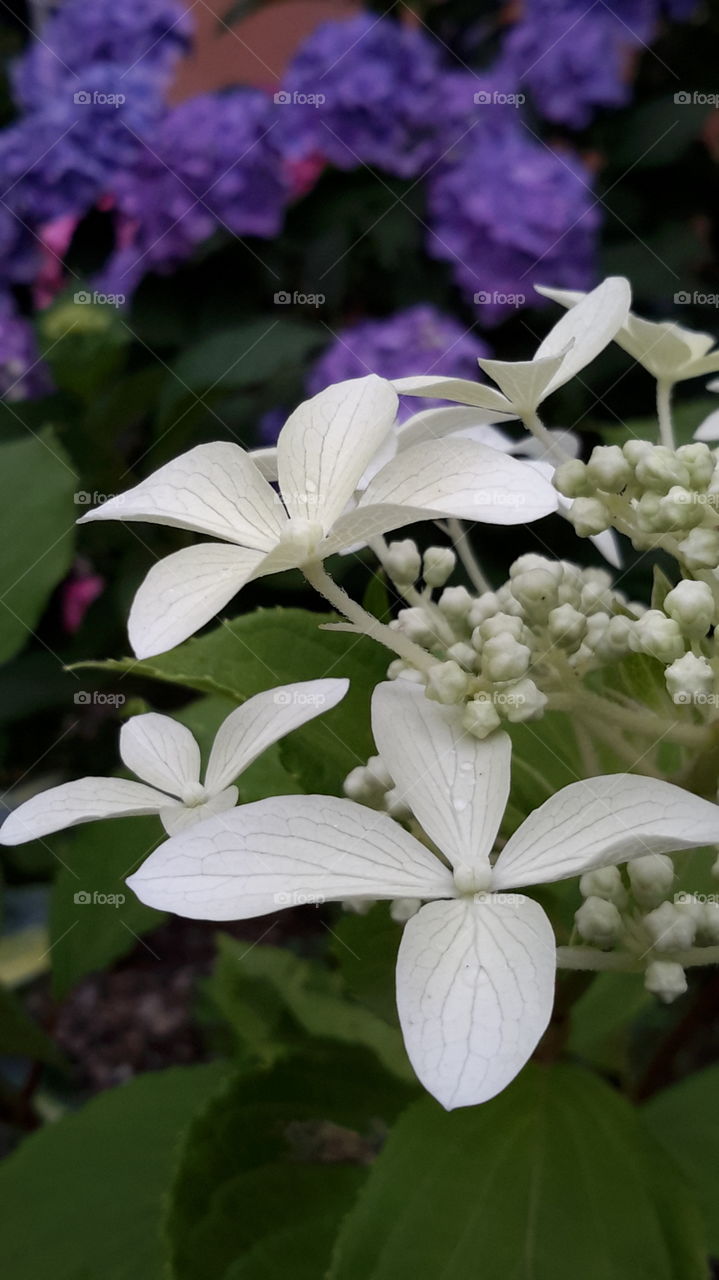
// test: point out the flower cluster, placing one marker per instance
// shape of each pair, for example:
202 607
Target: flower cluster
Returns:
477 963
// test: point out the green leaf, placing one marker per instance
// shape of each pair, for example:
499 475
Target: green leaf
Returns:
554 1179
256 985
685 1120
233 360
544 759
365 948
276 1136
83 1198
602 1021
266 777
276 646
37 532
94 917
19 1035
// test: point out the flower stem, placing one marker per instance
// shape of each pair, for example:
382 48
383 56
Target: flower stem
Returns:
664 412
460 541
627 962
400 644
533 423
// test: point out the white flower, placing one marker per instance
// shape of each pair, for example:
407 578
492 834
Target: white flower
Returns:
476 966
322 452
166 756
572 344
666 350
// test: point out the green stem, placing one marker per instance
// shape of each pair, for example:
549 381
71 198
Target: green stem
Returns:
533 423
461 544
626 962
405 648
664 412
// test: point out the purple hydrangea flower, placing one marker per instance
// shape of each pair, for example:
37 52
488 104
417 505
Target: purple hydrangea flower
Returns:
576 58
508 211
135 34
364 91
209 163
419 339
22 374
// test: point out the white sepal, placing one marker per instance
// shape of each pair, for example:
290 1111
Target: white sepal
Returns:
162 752
475 986
76 802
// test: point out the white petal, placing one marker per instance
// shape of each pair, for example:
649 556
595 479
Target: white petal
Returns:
327 443
700 368
600 822
264 719
461 478
75 802
182 592
587 329
531 447
266 461
458 390
179 817
524 382
709 429
214 489
475 988
435 424
284 852
160 751
455 785
713 385
609 546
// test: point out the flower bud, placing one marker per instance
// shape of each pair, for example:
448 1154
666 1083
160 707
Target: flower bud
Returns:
615 640
700 549
400 670
651 878
658 636
485 607
679 510
438 565
415 624
503 658
536 592
665 979
708 925
699 461
403 562
396 806
648 512
608 469
599 922
455 603
669 928
691 604
502 624
567 626
660 469
402 909
589 516
571 479
480 717
604 882
464 654
447 683
524 701
635 450
688 678
531 561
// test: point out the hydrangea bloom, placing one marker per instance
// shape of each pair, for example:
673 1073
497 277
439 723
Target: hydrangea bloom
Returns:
210 162
149 34
506 211
418 339
381 87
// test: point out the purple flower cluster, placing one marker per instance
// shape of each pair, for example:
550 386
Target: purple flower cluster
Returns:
210 162
419 339
575 58
365 91
508 212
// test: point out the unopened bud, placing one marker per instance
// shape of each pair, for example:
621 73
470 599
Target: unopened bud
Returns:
455 603
608 469
700 549
571 479
660 469
589 516
447 683
403 562
669 928
604 882
524 701
438 565
691 604
666 980
567 626
651 878
536 592
402 909
503 658
480 717
658 636
599 922
689 677
699 461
